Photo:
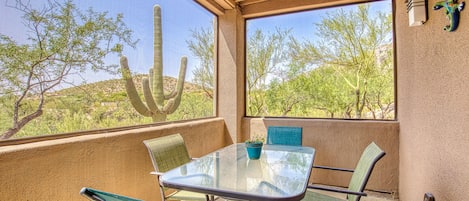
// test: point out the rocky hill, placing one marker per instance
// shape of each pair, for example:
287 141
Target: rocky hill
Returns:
118 85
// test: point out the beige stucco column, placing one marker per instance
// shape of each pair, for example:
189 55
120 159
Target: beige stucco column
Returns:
231 71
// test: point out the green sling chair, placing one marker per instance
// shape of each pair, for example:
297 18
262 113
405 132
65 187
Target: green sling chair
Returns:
360 177
97 195
167 153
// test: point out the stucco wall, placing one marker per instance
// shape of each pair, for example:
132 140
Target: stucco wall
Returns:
116 162
340 144
433 106
230 72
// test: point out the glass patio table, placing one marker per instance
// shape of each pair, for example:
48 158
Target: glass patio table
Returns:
281 173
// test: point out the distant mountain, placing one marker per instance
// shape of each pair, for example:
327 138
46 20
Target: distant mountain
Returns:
113 86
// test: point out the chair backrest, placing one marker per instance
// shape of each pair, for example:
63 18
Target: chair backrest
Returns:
284 135
363 170
167 152
97 195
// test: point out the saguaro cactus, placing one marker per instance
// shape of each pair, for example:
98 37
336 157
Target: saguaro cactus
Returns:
158 103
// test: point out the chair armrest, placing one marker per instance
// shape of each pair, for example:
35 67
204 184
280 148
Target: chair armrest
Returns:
156 173
337 190
333 168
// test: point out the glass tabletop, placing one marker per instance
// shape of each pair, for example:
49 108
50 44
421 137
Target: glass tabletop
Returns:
281 173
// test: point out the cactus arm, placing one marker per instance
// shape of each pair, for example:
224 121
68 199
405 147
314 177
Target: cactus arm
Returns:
170 95
148 96
150 75
173 103
131 90
180 83
169 107
182 75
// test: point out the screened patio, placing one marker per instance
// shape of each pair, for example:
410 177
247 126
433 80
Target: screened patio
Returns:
425 146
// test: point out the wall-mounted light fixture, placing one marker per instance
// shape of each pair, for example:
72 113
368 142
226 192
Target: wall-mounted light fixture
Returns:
417 11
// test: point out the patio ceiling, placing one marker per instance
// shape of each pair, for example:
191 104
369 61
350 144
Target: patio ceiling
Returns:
259 8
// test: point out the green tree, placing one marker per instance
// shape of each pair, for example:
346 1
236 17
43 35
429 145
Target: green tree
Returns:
380 97
265 53
350 42
196 104
327 93
62 41
283 97
202 47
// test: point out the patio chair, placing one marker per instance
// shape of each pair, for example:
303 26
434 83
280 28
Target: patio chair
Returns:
166 153
357 184
97 195
284 135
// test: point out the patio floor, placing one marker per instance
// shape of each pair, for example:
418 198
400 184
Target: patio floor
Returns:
372 196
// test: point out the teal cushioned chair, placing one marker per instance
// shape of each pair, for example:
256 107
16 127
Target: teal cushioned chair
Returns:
284 135
370 156
167 153
97 195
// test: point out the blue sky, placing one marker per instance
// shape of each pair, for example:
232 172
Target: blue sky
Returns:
303 23
138 15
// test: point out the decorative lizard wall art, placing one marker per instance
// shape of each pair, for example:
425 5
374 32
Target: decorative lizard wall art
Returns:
453 9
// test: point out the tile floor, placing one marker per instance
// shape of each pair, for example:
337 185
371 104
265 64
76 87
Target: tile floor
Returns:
372 196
